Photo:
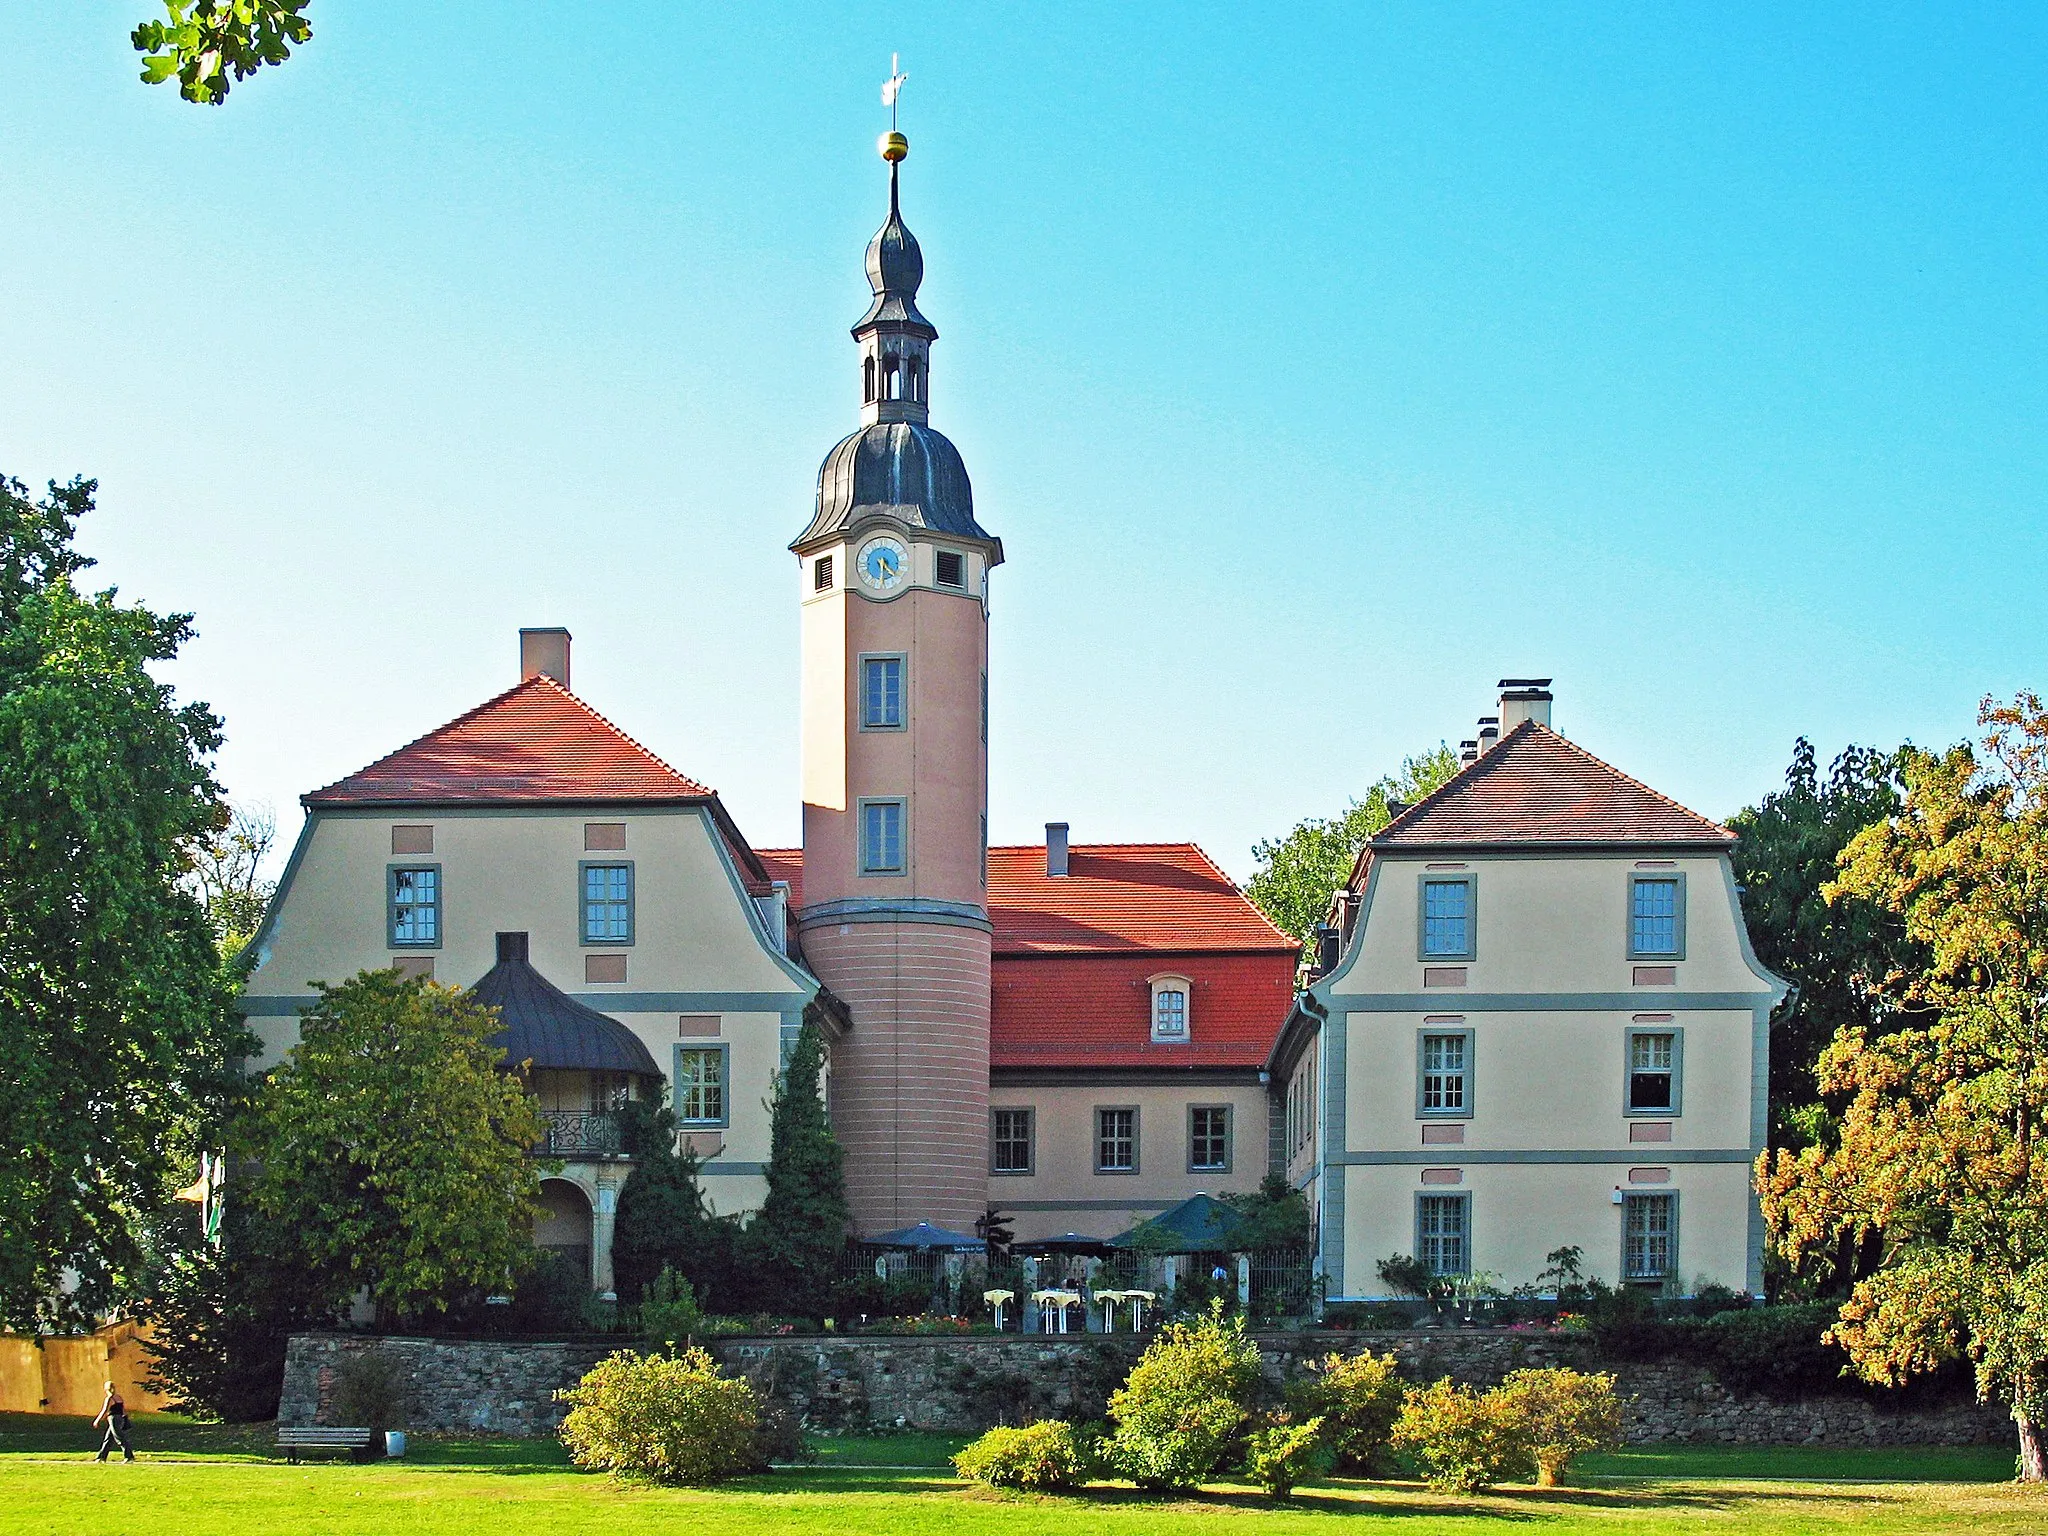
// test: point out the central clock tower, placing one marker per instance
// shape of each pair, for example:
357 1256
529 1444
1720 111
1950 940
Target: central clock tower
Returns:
894 593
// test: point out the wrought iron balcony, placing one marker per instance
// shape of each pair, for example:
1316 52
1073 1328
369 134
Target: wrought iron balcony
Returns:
580 1133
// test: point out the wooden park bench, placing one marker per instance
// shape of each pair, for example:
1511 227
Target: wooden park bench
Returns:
294 1438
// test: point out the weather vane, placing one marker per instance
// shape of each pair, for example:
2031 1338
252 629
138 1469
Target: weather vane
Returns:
894 145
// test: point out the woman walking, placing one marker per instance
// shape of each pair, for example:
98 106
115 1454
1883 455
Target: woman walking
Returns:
114 1414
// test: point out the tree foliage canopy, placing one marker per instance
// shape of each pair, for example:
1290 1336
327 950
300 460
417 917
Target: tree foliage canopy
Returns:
1838 952
116 1041
206 45
1938 1155
1300 872
394 1150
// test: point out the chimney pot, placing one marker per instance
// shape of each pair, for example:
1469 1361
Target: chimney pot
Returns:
1524 698
511 946
1055 848
544 652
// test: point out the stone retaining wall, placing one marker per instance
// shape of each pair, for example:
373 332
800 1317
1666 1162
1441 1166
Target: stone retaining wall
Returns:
507 1388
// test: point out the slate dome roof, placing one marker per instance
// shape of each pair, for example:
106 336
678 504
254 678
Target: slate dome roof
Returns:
901 468
895 270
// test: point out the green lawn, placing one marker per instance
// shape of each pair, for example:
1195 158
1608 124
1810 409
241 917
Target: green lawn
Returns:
203 1480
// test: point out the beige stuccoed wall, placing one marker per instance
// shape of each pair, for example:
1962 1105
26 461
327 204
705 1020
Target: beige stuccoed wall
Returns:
512 872
1521 1212
1104 1204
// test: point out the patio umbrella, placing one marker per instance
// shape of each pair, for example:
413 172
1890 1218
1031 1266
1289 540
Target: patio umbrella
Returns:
1199 1224
925 1238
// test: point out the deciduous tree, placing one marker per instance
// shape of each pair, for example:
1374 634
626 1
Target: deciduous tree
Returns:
1300 872
116 1040
1939 1152
393 1149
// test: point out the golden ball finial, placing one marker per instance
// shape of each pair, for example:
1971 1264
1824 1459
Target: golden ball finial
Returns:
894 146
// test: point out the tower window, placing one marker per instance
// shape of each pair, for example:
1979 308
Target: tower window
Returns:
881 693
867 380
952 570
915 367
892 382
821 574
881 837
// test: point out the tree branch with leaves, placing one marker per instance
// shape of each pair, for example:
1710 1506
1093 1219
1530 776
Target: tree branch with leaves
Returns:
207 45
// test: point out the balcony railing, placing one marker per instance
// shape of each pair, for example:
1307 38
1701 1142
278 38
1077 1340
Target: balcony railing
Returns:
580 1133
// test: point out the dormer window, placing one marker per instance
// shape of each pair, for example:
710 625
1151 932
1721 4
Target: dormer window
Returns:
1170 1009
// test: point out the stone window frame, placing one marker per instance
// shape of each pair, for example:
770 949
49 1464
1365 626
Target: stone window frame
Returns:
1030 1114
1136 1122
1229 1137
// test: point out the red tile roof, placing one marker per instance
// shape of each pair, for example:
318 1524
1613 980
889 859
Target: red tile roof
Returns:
1070 1010
1073 954
1117 898
534 742
1535 787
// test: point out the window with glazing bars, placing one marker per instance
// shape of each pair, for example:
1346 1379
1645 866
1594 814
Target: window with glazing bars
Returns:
881 837
700 1087
1209 1139
1443 1073
1116 1141
1012 1140
607 903
882 693
416 906
1647 1240
1653 917
1440 1234
1447 917
1651 1059
1170 1012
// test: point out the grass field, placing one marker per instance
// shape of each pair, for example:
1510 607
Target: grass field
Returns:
199 1480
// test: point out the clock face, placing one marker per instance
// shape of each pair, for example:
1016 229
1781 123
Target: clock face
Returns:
884 564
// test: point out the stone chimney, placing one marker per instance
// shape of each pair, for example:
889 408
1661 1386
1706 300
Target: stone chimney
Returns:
1055 847
1468 752
1524 698
544 651
1489 733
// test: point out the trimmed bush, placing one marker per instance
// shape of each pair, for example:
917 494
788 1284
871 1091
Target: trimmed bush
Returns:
1560 1414
1283 1455
1186 1397
668 1311
1358 1397
1461 1440
1039 1457
665 1420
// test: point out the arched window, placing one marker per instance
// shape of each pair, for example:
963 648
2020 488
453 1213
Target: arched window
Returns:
892 382
867 380
1170 995
916 365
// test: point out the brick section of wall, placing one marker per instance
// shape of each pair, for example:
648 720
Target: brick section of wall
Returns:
959 1384
910 1080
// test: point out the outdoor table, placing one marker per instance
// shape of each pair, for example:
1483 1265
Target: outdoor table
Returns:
1052 1309
1109 1300
1139 1300
996 1299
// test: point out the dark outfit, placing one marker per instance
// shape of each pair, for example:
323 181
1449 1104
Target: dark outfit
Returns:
117 1432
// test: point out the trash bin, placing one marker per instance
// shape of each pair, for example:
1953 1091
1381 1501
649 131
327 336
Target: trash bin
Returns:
394 1442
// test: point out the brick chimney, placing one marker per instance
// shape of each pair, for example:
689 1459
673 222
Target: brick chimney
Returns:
1055 848
1524 698
544 651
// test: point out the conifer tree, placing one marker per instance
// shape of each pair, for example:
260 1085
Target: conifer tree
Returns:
800 1233
662 1219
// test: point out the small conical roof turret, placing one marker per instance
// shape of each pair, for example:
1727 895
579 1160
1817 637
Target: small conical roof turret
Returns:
895 263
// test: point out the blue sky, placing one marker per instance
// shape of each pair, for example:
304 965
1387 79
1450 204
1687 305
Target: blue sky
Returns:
1316 368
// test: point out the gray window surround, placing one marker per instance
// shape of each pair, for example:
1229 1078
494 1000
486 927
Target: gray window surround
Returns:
1030 1141
1471 1072
867 659
902 868
1628 1051
1675 877
1461 1197
583 938
391 874
1229 1139
723 1050
1471 950
1672 1270
1136 1160
1161 985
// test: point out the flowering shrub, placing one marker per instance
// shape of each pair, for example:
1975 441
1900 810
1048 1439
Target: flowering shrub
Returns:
668 1420
1461 1439
1184 1401
1282 1455
1358 1397
930 1323
1560 1414
1041 1456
